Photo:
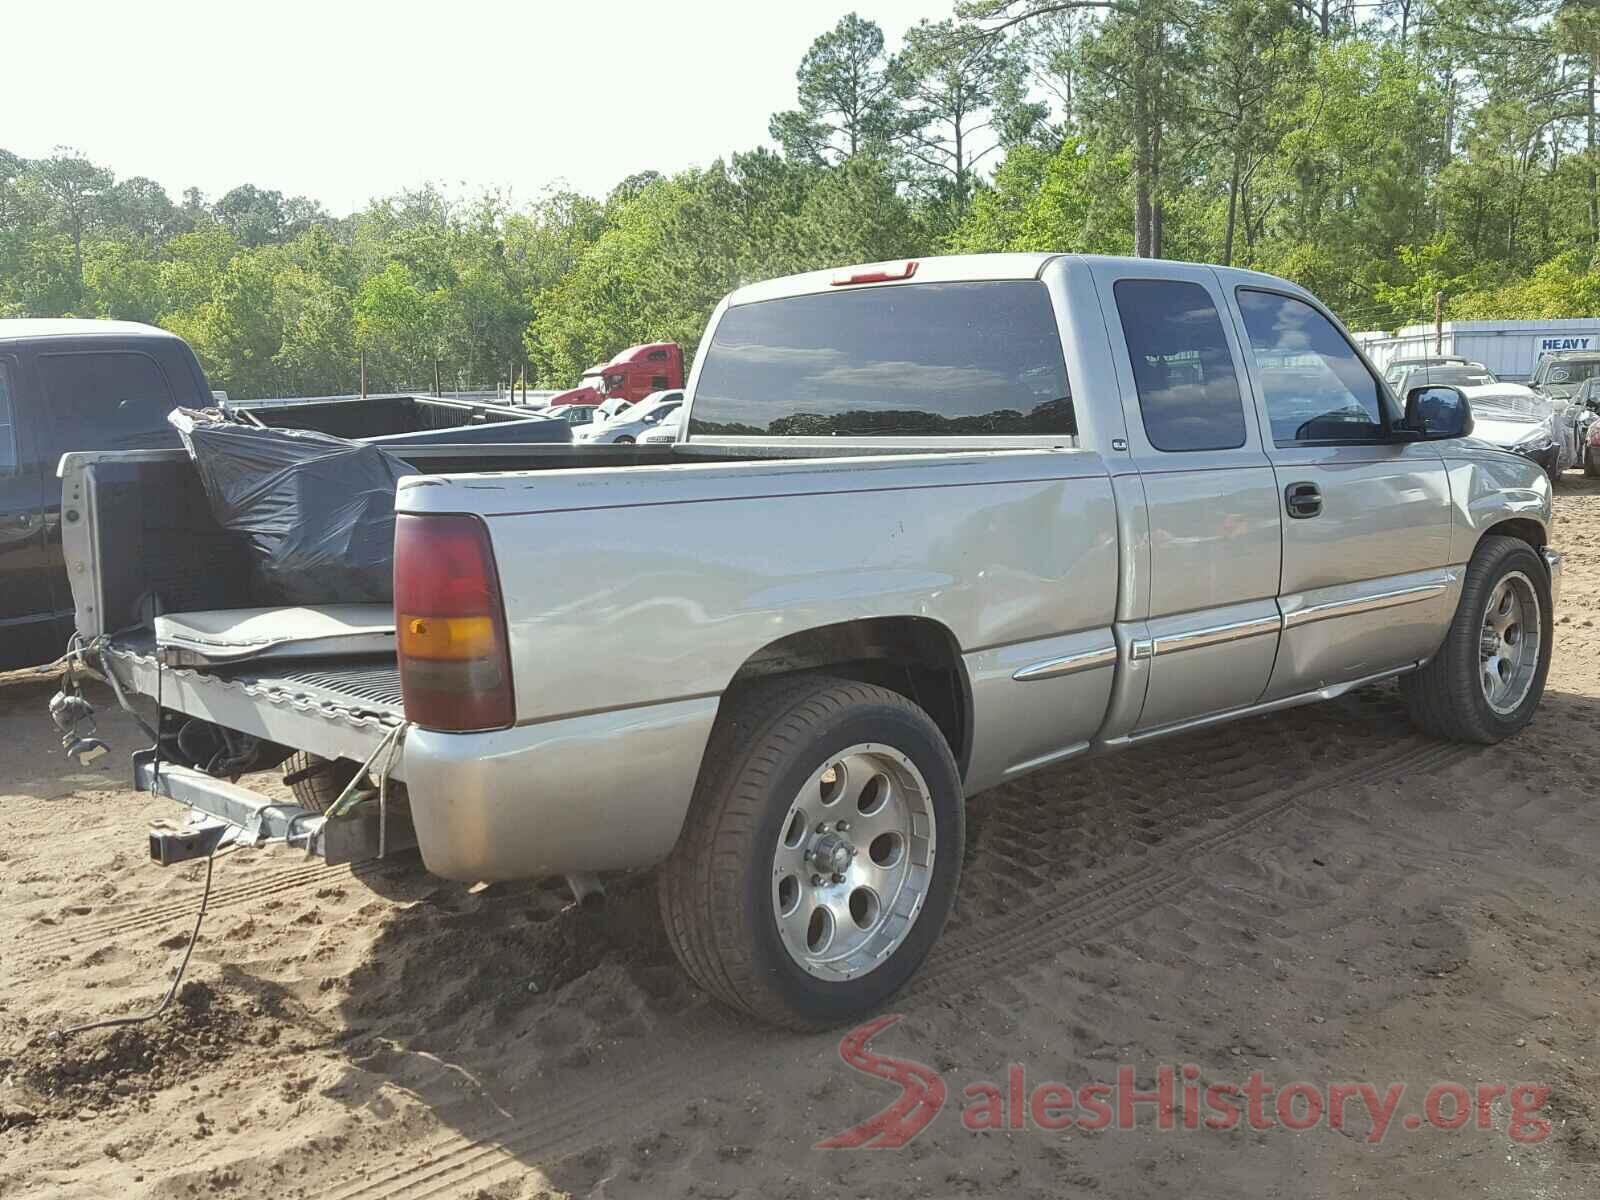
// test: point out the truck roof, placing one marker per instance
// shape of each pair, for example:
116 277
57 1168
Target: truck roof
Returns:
949 268
17 328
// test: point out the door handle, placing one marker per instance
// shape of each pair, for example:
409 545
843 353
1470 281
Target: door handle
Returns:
1303 500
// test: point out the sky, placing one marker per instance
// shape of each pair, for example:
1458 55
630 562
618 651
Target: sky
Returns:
344 100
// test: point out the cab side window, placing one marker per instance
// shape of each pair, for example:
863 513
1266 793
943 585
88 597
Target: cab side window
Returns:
106 399
1182 369
8 424
1316 387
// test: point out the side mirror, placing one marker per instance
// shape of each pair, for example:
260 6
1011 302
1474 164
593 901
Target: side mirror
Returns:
1436 411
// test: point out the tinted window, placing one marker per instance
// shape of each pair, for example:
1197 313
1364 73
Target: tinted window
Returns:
941 359
106 400
8 423
1188 388
1316 388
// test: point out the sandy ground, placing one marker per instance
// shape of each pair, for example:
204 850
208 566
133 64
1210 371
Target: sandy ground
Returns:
1320 896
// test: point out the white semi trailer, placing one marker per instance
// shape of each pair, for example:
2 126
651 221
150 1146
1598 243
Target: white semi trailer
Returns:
1511 349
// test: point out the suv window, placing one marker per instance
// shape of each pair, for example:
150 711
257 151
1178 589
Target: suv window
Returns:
940 359
8 424
1316 387
1182 369
103 400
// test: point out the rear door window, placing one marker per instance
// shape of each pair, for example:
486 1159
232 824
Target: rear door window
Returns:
1182 368
107 400
930 359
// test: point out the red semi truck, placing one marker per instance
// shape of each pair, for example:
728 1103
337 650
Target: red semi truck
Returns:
631 375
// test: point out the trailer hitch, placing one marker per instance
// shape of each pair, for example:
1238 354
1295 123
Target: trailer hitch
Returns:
172 843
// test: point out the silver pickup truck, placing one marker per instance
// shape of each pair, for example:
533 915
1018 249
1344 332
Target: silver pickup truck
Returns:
929 526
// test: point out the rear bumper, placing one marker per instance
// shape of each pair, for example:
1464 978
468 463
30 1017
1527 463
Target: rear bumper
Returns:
606 791
1553 561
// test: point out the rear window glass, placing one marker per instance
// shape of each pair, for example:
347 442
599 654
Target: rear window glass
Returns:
105 400
940 359
1182 368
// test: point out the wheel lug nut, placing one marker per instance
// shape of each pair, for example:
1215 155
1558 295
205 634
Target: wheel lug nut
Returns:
838 876
843 827
823 828
816 881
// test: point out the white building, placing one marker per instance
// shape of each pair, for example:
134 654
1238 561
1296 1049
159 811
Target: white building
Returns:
1508 348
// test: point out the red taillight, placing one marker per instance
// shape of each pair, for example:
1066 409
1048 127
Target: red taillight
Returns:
905 272
450 625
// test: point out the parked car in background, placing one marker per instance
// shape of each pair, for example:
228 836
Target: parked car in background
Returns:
1456 374
1561 373
1587 402
628 425
1397 369
666 431
572 414
932 526
1513 416
71 385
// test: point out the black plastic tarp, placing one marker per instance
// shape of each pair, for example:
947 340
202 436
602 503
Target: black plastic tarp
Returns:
317 511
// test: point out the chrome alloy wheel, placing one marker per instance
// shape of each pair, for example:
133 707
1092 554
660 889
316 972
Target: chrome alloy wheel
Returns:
854 861
1509 645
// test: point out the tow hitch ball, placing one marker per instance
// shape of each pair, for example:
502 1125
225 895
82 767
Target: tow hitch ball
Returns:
74 717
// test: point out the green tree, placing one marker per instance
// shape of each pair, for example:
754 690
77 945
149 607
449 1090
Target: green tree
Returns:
846 97
76 190
950 79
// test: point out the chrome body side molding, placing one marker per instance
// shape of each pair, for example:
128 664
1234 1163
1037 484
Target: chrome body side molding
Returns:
1215 635
1362 604
1067 664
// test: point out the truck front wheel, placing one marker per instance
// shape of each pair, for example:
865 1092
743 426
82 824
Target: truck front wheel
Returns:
1486 680
821 852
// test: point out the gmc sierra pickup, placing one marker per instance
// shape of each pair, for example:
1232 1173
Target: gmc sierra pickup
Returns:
929 526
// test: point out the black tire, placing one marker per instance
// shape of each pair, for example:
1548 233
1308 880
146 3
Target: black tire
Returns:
1445 697
1591 462
715 889
624 440
316 781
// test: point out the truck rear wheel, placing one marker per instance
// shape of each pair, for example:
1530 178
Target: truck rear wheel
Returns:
821 853
1488 677
316 781
1591 462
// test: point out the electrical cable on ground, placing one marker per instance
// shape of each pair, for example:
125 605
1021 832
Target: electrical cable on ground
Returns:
177 978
